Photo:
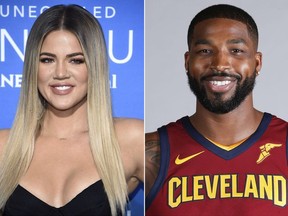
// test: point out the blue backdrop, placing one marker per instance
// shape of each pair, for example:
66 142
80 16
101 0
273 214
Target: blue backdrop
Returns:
123 26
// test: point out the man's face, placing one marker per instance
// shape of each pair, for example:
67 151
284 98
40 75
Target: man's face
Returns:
222 63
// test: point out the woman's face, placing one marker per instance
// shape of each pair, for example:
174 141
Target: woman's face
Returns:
62 72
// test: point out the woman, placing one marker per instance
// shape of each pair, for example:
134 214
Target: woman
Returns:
65 154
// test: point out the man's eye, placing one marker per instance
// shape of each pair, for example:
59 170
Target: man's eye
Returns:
204 51
46 60
237 50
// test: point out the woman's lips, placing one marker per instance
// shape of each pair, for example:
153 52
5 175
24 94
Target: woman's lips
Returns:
61 89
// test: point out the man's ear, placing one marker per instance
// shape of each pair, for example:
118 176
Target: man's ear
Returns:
258 58
186 59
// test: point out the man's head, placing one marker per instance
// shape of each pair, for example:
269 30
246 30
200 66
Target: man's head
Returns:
227 12
222 61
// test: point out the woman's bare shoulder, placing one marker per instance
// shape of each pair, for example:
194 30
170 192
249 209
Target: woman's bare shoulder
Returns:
129 128
3 137
4 133
130 135
128 121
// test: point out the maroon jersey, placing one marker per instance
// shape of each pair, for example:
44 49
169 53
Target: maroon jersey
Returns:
197 177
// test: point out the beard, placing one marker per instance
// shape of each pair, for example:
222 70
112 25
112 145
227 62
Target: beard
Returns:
217 104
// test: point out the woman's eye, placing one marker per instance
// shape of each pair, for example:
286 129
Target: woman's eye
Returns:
77 61
46 60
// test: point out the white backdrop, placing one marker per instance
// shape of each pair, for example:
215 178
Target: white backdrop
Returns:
167 95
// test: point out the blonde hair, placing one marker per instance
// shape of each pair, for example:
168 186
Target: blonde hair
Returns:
18 151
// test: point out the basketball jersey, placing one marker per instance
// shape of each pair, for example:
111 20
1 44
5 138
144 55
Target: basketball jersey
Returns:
197 177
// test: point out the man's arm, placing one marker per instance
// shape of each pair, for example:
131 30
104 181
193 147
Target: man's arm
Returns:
152 162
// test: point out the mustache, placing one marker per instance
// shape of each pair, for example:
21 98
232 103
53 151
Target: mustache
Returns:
221 74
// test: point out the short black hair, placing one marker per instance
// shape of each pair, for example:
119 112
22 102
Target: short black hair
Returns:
228 12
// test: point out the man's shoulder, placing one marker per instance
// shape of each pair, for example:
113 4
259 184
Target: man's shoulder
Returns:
275 120
152 136
179 121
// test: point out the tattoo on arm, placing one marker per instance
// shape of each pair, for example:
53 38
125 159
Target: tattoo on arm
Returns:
152 163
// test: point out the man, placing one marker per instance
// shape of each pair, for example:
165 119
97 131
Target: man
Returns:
228 158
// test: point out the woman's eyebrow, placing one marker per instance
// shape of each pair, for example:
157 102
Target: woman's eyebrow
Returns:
68 55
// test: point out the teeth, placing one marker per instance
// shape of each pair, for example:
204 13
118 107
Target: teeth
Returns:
220 83
62 87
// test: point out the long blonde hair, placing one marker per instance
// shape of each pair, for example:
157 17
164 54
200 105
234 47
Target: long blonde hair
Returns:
18 151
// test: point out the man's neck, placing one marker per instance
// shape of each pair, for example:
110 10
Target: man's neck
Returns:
227 128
